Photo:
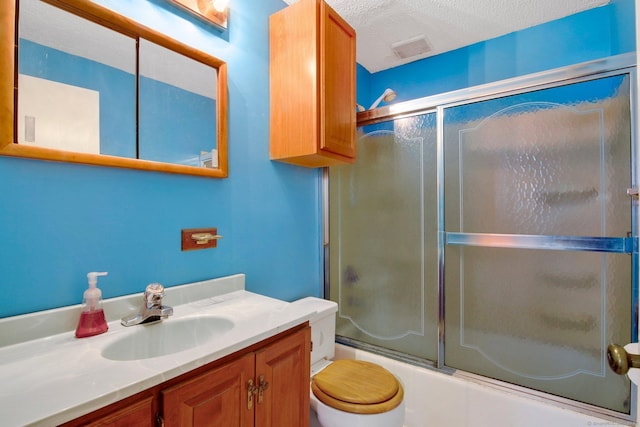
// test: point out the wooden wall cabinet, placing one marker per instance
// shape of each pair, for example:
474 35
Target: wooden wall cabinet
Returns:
266 385
312 86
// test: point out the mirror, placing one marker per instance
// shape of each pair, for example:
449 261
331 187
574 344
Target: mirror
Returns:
113 94
76 83
177 108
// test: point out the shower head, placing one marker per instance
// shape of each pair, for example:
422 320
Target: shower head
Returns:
387 96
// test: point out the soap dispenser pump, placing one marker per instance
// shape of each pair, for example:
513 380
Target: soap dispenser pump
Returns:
92 320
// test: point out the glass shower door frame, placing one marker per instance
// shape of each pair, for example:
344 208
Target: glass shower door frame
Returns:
619 245
621 64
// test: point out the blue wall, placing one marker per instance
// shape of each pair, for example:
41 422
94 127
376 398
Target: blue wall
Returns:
59 221
593 34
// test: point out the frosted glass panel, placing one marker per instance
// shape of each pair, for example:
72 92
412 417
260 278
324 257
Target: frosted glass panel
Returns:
383 238
541 319
548 162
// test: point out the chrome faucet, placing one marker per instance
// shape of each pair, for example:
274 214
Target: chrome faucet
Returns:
152 309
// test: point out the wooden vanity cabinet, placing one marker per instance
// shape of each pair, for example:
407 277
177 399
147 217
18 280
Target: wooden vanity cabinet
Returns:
266 385
215 398
312 86
284 366
265 388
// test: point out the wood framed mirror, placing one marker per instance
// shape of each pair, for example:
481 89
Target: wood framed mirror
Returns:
80 83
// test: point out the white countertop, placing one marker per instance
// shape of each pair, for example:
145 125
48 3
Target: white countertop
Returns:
53 379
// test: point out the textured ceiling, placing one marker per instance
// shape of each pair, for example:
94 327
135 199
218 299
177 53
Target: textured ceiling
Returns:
445 24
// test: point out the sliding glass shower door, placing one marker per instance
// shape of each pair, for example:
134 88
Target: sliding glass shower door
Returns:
384 266
494 236
537 267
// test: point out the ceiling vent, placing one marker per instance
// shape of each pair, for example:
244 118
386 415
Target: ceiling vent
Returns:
415 46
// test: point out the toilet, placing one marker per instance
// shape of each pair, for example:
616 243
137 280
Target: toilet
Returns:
348 393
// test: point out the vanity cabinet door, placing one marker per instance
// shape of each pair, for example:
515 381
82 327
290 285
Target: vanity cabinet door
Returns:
282 377
312 72
215 398
122 414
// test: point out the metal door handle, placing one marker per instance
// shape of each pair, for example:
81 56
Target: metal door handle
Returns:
621 361
262 386
251 390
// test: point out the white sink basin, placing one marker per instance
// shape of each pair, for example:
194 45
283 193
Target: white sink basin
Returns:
167 337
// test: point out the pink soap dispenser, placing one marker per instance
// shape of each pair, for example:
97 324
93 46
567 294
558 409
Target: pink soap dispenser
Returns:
92 320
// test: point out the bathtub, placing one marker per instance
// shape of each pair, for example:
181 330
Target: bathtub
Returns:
436 399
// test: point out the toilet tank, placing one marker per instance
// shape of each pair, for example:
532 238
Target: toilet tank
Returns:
323 327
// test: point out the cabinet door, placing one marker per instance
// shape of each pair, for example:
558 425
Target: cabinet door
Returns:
282 375
338 84
312 74
215 398
138 414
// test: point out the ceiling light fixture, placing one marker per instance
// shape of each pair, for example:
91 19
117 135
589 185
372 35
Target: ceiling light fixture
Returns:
220 5
211 11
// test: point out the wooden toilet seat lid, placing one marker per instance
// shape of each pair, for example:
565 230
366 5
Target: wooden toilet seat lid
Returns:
358 387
